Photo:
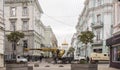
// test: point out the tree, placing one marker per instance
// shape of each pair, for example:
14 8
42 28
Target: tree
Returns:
71 50
86 37
14 38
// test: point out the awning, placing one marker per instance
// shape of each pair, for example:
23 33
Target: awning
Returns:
113 40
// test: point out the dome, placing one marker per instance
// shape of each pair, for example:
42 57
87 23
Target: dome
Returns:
65 43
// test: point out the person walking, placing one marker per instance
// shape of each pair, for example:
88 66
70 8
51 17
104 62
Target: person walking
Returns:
40 59
87 58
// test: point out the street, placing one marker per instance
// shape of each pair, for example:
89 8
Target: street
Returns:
49 66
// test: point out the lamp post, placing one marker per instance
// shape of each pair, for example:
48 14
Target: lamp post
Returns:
14 44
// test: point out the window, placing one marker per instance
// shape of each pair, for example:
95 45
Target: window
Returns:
25 25
105 54
97 50
25 11
116 53
98 18
12 26
13 11
25 43
98 35
98 0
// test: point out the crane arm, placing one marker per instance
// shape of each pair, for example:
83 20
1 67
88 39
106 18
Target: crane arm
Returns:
60 52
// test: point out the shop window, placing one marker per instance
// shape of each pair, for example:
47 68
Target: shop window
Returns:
116 53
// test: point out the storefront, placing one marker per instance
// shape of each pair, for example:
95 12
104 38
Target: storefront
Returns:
114 44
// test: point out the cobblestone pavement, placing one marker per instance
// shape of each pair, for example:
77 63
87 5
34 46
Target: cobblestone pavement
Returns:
48 66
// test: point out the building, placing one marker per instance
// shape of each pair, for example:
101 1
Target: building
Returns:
74 44
1 35
24 16
65 45
50 39
97 16
114 42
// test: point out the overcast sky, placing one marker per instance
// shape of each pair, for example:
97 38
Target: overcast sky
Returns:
62 16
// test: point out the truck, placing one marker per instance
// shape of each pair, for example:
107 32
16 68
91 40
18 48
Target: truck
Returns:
96 57
58 54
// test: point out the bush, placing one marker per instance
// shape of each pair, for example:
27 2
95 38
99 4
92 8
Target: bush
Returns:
83 62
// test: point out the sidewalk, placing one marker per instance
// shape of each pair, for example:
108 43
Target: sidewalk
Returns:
105 67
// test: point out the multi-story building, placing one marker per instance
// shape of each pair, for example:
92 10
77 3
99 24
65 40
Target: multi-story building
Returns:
24 16
74 44
50 39
1 35
97 16
114 42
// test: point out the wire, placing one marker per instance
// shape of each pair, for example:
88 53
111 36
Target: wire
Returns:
65 16
57 20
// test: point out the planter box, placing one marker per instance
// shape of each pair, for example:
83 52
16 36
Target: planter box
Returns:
17 66
84 67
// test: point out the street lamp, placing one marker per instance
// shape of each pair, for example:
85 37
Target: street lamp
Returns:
14 44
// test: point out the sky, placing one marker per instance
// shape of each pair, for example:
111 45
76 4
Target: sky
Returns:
62 16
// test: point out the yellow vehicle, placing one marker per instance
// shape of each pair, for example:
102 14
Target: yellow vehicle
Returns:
99 57
58 54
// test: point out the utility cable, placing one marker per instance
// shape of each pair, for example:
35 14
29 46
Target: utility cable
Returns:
58 20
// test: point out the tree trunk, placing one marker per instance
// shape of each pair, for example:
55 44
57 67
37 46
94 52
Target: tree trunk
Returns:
85 50
14 50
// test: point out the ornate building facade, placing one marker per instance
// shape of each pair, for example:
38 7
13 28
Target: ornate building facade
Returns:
114 42
97 16
24 16
1 35
50 40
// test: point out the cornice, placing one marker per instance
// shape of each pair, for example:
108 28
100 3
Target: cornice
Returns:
16 1
101 6
38 5
24 1
93 9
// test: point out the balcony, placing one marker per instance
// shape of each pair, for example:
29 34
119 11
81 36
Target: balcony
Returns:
97 25
97 42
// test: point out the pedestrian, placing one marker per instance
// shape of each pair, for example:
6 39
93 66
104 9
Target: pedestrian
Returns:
40 59
87 58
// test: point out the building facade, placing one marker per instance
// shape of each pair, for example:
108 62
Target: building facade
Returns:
1 35
24 16
97 16
65 45
75 45
50 39
114 42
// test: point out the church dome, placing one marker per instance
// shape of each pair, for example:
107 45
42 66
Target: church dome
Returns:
64 43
